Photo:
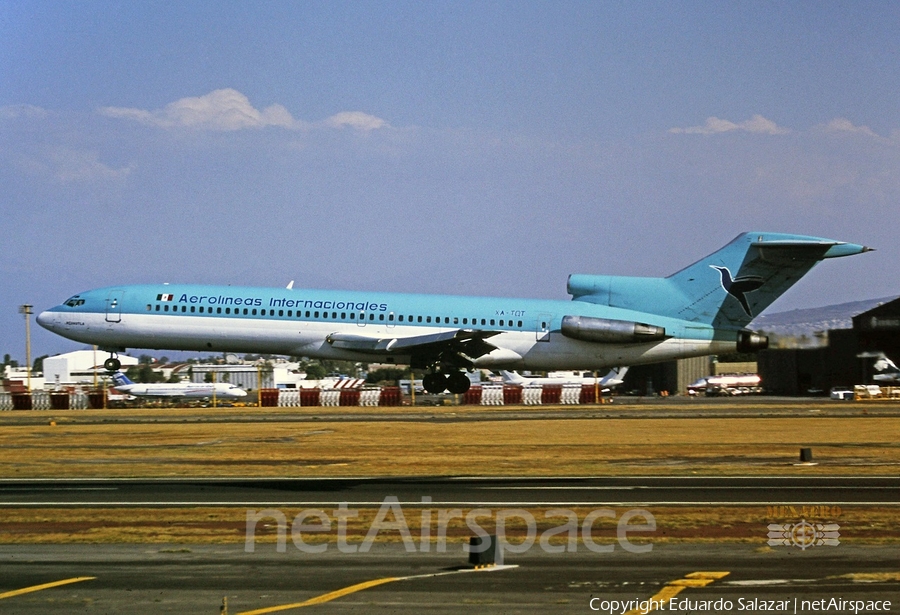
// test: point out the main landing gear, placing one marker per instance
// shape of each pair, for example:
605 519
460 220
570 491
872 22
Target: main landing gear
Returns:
438 382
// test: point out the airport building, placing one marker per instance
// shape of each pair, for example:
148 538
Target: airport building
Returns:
79 367
846 360
247 376
674 377
279 374
16 380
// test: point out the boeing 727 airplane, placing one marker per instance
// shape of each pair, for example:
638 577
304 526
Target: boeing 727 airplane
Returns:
611 321
222 390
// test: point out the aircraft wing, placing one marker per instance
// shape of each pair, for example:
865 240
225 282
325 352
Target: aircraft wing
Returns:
464 344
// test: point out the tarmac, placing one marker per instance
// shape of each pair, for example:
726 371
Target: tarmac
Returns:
118 579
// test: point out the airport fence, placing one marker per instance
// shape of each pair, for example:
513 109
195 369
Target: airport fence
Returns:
330 398
368 397
44 400
570 395
485 395
530 395
490 395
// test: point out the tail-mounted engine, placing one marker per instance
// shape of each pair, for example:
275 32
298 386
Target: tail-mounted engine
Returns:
608 331
750 341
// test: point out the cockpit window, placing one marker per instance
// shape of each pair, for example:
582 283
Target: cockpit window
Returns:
75 301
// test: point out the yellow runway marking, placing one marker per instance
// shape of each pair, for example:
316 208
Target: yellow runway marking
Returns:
870 577
37 588
673 588
324 597
367 584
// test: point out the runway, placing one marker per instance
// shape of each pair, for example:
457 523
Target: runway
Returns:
198 579
454 491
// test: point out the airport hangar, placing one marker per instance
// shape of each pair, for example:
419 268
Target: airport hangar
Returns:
794 371
797 371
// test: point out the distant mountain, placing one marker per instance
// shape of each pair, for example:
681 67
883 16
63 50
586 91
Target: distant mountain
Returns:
809 320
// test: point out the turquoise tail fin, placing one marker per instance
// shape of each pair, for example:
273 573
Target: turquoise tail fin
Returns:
727 289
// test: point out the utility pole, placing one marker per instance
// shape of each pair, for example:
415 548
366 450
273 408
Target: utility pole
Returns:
26 311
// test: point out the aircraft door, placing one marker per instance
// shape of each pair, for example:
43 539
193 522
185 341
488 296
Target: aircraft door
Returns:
114 306
542 330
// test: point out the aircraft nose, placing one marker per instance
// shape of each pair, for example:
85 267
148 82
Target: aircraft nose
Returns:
46 319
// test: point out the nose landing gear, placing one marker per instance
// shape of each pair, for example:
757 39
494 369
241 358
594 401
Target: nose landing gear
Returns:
112 364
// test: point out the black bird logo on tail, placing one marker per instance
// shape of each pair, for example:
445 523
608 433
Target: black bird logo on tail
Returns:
739 287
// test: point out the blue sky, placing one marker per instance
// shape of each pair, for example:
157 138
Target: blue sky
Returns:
486 147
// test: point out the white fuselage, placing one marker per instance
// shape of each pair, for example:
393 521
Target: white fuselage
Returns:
182 389
515 349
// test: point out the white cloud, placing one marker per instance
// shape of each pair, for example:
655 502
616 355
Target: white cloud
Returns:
225 109
355 119
229 110
60 164
714 125
70 165
843 125
12 112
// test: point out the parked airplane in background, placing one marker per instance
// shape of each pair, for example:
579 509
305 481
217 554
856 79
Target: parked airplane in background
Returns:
727 384
610 321
614 378
221 390
888 372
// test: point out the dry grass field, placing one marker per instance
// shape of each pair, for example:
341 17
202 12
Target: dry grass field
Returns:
217 525
531 447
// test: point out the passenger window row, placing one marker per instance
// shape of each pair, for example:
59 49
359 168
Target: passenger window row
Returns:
344 316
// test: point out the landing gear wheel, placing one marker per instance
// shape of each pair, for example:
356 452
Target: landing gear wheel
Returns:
434 383
458 383
112 364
